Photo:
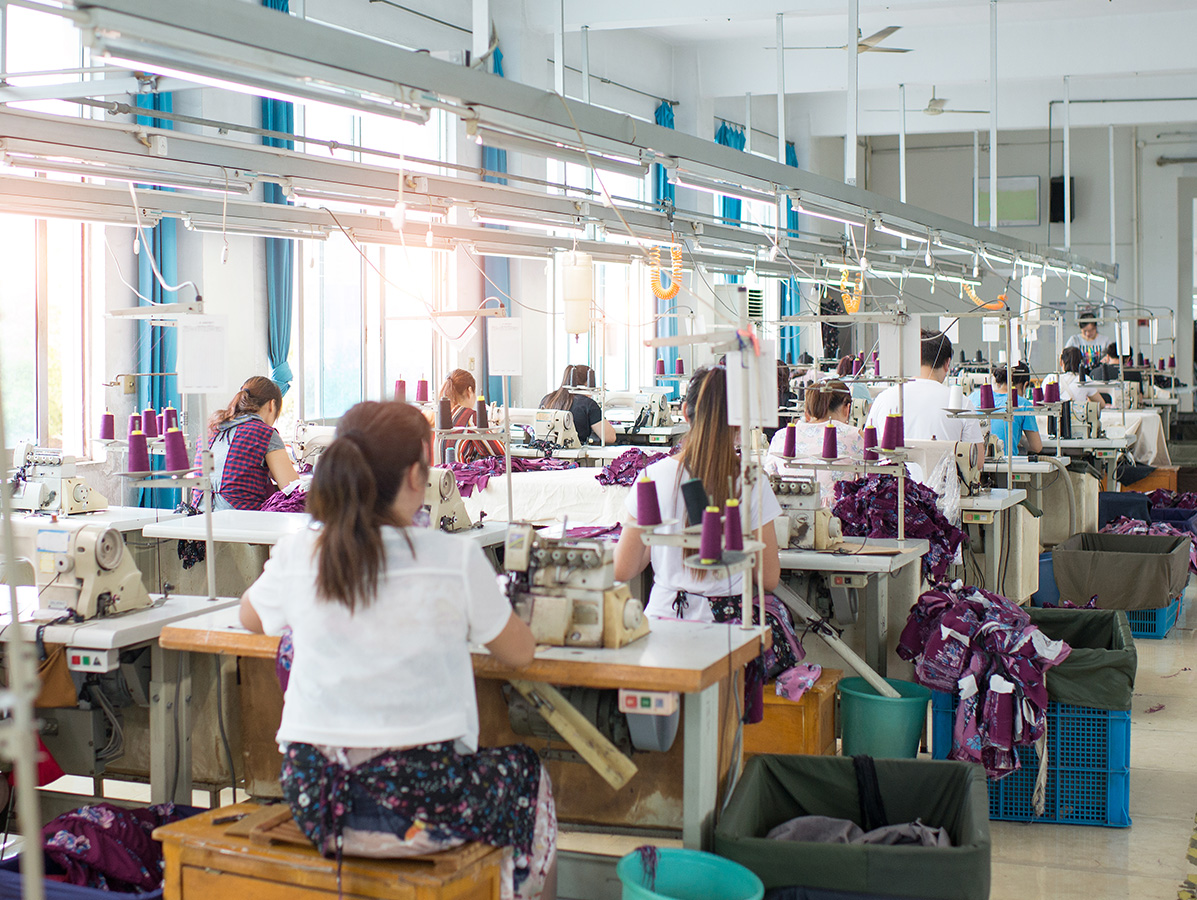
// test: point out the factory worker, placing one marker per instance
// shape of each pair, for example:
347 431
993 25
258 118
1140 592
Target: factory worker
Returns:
859 390
1072 385
827 402
708 454
925 399
248 455
588 415
1089 341
1026 429
460 390
379 732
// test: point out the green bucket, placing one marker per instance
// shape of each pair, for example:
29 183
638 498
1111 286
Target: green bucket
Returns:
687 875
882 726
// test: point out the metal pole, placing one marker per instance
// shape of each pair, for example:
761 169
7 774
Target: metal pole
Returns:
993 135
748 122
853 74
781 90
977 179
1113 219
559 54
902 148
585 63
507 441
481 28
1067 170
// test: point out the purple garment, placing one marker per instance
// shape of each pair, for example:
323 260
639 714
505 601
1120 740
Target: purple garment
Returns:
868 507
626 467
296 501
1123 525
283 658
605 533
1172 500
981 646
478 473
795 682
109 848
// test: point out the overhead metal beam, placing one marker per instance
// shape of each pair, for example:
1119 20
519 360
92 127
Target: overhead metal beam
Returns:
72 90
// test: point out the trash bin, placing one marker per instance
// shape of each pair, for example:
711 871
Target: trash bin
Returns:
1124 571
949 795
879 726
677 874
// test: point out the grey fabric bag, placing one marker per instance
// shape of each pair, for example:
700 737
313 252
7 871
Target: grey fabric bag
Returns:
1124 571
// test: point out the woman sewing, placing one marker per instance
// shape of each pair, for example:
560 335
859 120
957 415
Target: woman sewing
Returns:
248 455
827 403
1072 386
587 414
460 390
379 731
709 454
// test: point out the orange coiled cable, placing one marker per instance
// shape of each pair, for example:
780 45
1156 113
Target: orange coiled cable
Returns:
675 275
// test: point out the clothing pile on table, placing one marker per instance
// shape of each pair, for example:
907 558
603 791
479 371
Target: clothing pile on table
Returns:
109 848
1124 525
982 647
626 467
1172 499
478 473
868 507
296 501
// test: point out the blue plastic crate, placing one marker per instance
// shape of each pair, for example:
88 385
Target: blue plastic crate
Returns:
1088 771
1153 623
1047 594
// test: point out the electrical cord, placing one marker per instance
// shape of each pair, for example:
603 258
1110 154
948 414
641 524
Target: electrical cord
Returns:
224 738
153 263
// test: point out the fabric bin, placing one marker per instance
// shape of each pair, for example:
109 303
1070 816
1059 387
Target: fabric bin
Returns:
10 885
1180 519
1100 671
1124 571
774 789
1113 504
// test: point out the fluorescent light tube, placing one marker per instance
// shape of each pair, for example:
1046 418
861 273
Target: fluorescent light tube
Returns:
132 176
687 180
574 227
830 217
554 150
880 226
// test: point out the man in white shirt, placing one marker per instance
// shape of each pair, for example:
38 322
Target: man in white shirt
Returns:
1089 341
925 399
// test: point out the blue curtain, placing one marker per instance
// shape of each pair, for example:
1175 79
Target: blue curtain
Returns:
497 268
791 215
730 136
157 346
278 115
662 189
791 305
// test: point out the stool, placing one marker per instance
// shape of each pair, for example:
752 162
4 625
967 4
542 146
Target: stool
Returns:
806 727
254 856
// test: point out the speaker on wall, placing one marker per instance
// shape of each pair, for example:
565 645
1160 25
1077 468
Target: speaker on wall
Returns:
1056 205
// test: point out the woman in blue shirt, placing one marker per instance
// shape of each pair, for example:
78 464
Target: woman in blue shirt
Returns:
1026 429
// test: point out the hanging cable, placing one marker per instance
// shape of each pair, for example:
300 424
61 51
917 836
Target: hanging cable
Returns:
153 263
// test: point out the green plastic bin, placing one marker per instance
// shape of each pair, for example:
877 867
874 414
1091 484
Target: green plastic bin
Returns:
687 875
882 727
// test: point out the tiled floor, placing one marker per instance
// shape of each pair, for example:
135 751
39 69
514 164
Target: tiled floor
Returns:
1147 860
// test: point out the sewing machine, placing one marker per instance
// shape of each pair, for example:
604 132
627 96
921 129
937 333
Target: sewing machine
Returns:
446 510
858 412
1132 395
969 464
565 590
1086 420
45 480
806 523
556 426
84 567
311 440
630 411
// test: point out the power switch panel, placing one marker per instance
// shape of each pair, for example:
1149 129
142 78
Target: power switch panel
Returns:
83 660
650 703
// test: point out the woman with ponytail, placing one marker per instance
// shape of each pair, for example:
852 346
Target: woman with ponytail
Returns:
460 390
827 403
248 456
380 726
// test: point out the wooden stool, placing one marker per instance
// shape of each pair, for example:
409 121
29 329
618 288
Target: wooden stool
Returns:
806 727
258 856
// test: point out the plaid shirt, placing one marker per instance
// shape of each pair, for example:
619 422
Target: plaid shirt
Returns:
244 480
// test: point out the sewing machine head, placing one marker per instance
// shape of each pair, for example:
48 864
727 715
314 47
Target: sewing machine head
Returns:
858 412
556 426
446 510
311 440
1132 395
1086 420
807 524
45 480
637 409
92 573
968 381
969 463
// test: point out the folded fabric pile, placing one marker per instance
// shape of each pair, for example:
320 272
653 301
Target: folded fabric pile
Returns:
1172 500
626 467
296 501
1124 525
981 646
109 848
868 507
608 533
829 830
478 473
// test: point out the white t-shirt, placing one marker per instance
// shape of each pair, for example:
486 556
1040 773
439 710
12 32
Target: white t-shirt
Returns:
670 574
924 417
1072 388
396 673
1091 351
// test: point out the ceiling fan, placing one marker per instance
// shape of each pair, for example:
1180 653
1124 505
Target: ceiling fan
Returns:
863 44
937 106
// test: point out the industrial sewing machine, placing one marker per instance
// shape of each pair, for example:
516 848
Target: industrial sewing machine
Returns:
555 426
311 440
631 411
446 510
565 590
858 412
1132 395
1086 420
807 524
969 465
45 480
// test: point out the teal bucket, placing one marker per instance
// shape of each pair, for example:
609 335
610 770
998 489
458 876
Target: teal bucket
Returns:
882 726
687 875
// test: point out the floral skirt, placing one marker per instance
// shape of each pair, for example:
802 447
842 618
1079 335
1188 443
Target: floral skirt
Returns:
407 802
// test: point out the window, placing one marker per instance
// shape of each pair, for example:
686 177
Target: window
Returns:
331 313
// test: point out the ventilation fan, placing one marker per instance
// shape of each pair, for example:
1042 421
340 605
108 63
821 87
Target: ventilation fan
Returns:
863 44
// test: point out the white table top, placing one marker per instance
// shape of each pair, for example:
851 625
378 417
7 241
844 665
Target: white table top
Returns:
1082 444
113 632
830 561
993 500
122 518
1023 466
1162 401
250 526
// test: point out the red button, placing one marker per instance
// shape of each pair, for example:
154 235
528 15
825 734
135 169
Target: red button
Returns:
74 660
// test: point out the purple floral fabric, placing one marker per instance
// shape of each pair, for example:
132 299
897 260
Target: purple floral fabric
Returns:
478 473
868 507
296 501
626 467
1124 525
109 848
983 648
1172 499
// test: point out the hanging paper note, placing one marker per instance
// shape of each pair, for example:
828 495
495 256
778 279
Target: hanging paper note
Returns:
761 373
504 346
200 361
1124 338
1155 331
991 329
950 325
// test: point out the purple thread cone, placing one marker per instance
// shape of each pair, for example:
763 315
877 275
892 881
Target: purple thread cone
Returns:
444 415
830 450
660 366
987 396
648 507
1161 363
679 368
1051 392
901 432
422 391
176 451
889 433
1171 362
709 549
149 422
733 529
170 416
1014 398
134 423
1037 395
870 443
480 418
108 427
790 448
161 425
856 366
139 452
876 367
1142 361
401 391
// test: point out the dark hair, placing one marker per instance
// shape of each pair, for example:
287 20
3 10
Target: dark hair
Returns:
257 391
574 376
1070 359
1112 350
825 397
457 383
1087 317
1021 374
709 453
937 349
352 491
844 368
783 380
